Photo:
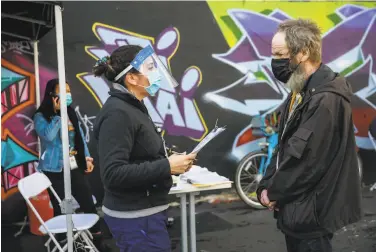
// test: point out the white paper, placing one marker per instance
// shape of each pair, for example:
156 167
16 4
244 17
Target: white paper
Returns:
214 133
199 175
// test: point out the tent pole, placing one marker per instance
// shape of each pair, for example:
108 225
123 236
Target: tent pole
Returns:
37 85
67 203
36 72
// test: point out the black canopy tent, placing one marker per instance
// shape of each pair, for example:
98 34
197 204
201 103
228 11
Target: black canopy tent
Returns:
27 20
30 21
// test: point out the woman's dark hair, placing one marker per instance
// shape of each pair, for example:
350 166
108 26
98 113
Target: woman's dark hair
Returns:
47 107
120 59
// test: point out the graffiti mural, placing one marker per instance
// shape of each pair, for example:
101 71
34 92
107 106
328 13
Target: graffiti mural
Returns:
19 142
18 150
258 92
173 109
25 47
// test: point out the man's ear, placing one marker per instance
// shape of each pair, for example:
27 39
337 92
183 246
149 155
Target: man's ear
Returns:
305 55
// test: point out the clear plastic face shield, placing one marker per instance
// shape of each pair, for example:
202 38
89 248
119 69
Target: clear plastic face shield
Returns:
149 65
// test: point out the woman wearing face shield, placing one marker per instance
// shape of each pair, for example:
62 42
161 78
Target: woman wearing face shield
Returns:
135 169
47 123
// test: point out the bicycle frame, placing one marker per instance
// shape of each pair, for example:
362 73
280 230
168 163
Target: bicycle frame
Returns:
271 143
373 141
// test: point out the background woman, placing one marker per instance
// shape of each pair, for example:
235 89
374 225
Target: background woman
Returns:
47 123
134 168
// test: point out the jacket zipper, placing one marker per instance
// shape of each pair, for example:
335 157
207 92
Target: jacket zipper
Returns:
283 132
160 135
289 119
164 147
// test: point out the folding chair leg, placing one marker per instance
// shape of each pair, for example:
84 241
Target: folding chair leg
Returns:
66 244
89 234
57 245
89 242
47 244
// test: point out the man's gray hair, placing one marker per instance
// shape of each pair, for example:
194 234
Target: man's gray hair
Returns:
302 35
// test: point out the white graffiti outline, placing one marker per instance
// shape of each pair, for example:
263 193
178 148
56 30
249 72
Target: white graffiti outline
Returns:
18 46
87 123
29 127
368 90
338 11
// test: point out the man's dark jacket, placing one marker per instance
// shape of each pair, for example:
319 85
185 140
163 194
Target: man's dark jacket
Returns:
316 184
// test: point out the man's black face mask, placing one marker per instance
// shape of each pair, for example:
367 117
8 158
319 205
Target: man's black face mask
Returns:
281 69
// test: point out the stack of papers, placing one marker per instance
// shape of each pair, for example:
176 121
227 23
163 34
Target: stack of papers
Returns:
202 177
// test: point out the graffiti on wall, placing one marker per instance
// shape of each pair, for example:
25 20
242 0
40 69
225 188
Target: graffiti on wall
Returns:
86 123
18 154
258 92
19 143
174 109
25 47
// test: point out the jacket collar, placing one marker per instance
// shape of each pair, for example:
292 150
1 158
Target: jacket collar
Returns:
123 94
322 76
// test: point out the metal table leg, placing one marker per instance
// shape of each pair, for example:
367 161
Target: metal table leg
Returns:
192 213
184 225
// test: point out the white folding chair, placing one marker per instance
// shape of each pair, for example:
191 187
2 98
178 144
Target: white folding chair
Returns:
36 183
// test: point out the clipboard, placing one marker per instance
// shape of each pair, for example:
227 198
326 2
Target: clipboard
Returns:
212 134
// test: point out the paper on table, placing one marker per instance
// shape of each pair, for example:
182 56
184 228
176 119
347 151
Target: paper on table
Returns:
202 176
214 133
180 186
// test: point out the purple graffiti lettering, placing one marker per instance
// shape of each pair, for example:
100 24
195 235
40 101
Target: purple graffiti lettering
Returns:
177 115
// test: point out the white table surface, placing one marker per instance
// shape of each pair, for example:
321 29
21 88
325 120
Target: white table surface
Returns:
188 188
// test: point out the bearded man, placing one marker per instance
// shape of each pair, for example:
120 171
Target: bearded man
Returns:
313 183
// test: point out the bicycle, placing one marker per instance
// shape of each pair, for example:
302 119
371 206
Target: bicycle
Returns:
252 167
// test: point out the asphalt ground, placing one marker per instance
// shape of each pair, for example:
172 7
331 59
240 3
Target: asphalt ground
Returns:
230 226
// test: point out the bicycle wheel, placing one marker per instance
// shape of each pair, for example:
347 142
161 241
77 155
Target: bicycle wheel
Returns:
247 178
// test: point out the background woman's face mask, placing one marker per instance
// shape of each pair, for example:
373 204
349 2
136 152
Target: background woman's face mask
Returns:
69 98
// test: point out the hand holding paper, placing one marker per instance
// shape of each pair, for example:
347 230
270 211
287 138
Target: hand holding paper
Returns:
181 163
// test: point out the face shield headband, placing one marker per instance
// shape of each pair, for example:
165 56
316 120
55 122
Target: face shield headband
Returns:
148 64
